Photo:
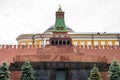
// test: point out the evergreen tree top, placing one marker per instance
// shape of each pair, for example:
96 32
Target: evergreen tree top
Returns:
114 63
4 71
26 66
27 72
94 69
114 71
94 74
114 67
4 65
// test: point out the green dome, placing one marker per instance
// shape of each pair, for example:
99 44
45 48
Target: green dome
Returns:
51 28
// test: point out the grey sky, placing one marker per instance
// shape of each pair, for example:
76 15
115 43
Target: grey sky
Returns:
35 16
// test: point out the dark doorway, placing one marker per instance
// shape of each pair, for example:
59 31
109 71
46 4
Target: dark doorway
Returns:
60 75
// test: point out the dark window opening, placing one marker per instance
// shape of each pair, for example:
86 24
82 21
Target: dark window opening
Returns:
68 43
64 42
52 42
56 42
60 42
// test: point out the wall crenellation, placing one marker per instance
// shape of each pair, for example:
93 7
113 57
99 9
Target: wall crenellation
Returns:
39 46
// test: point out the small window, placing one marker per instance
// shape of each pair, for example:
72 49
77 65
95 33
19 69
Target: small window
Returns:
23 43
62 36
61 28
95 43
56 36
102 42
110 43
58 16
57 28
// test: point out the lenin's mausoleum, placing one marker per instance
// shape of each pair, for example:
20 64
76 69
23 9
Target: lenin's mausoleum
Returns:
62 54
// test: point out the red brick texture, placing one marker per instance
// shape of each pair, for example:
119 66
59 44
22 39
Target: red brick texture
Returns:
12 53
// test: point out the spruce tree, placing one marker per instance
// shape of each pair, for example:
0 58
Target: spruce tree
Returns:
94 74
27 72
114 71
2 76
4 72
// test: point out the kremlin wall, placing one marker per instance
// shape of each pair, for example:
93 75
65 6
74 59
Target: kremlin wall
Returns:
59 48
10 53
14 54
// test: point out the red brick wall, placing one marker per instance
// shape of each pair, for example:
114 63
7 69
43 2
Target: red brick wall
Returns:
103 75
15 75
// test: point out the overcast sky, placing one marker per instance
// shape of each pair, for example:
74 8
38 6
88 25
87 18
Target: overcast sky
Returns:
35 16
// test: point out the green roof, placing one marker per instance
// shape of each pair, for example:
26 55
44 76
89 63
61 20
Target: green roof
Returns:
60 23
60 9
